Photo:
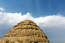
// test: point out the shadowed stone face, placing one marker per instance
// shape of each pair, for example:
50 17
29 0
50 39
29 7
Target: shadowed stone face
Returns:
25 32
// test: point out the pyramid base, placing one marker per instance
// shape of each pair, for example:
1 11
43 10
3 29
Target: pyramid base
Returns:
23 40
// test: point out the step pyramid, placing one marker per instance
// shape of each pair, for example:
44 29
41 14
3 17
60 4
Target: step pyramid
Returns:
25 32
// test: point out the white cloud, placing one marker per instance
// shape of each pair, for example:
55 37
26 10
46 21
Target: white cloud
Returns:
51 21
1 9
13 18
47 21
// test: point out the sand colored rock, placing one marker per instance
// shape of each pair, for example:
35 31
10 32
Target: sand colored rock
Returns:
25 32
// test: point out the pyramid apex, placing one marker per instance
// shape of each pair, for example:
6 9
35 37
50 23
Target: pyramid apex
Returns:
26 21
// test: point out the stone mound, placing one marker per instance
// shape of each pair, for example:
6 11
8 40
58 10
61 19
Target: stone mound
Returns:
25 32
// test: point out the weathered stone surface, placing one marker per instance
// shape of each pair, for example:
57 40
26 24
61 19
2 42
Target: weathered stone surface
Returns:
25 32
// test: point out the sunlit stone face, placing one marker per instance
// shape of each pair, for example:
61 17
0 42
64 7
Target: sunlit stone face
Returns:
25 32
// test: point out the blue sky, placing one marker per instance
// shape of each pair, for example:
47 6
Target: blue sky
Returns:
49 15
35 7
